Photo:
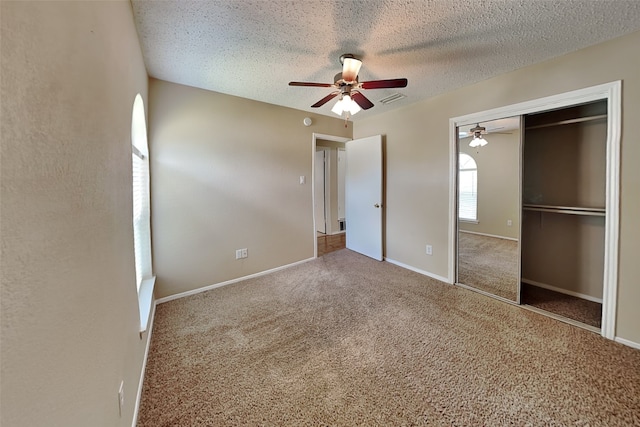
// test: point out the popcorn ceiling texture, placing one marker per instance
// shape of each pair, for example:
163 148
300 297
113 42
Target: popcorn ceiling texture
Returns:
252 49
345 340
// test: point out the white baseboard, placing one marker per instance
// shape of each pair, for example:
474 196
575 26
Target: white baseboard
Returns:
333 233
627 342
228 282
417 270
562 291
144 365
489 235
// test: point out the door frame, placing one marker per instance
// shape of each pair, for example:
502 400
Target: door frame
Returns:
314 138
612 93
325 191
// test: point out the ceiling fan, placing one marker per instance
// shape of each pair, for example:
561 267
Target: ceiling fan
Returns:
477 132
348 87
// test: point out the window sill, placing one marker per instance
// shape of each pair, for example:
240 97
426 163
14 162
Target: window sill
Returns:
145 302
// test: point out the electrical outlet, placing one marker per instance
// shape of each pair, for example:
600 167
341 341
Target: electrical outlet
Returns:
429 250
509 223
121 397
242 253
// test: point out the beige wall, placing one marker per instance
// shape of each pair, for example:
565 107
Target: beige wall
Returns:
498 185
225 175
70 72
550 256
417 165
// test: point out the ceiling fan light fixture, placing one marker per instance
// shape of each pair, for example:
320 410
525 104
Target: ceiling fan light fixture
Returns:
338 107
478 141
346 104
353 106
350 69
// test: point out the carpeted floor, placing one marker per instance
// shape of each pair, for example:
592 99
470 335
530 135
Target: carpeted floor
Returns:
489 264
581 310
344 340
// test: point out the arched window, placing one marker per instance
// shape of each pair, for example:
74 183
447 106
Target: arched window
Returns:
141 202
467 188
145 280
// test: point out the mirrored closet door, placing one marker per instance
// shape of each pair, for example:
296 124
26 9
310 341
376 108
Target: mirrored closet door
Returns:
535 204
489 207
531 210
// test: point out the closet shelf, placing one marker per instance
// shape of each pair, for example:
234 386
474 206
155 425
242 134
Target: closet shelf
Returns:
568 122
571 210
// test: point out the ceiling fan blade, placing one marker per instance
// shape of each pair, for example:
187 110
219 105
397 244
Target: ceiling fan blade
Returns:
309 84
361 100
325 100
383 84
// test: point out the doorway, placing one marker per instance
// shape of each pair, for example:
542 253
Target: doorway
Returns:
362 171
328 193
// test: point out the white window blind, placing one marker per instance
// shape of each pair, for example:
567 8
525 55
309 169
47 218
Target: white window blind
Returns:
141 198
467 188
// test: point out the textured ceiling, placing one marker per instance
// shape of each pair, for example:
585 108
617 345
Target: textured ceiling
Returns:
252 49
506 125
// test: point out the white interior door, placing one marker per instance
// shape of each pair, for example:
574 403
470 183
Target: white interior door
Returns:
321 221
363 187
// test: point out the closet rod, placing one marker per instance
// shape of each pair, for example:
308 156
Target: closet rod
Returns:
565 210
568 122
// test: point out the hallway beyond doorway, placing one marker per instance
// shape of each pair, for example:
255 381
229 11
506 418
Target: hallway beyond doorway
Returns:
330 243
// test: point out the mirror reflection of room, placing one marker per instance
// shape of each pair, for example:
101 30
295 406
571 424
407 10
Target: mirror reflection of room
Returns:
489 207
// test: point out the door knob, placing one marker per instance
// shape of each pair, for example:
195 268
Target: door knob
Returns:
376 205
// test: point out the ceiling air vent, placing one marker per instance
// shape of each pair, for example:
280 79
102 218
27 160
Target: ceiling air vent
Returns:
391 98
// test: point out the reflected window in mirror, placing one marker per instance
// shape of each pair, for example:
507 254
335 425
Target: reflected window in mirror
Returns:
467 188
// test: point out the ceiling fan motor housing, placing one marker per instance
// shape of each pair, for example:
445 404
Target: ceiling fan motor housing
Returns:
344 87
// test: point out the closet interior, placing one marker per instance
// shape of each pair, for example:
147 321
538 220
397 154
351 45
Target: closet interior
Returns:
563 211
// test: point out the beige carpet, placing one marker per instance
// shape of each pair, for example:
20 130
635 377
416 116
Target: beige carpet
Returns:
344 340
489 263
581 310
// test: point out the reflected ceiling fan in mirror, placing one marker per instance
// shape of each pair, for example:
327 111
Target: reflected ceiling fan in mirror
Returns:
348 87
505 126
478 140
